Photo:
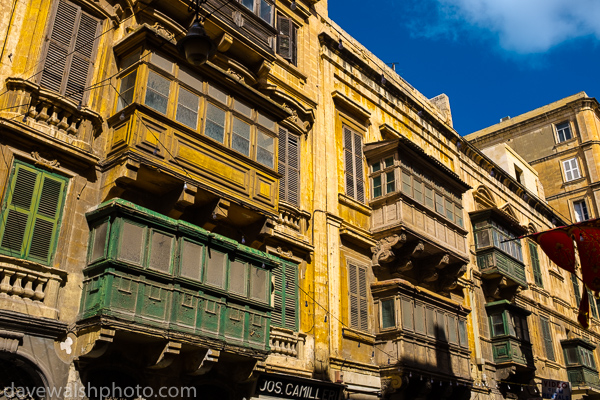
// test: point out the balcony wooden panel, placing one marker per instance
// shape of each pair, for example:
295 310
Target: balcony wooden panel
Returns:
495 263
583 376
217 168
511 350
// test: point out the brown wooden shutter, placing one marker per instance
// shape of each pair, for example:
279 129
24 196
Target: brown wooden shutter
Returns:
349 162
69 56
293 44
293 189
282 163
284 45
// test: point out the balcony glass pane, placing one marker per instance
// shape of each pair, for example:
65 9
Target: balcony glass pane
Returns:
215 268
249 4
462 332
266 10
132 241
497 325
157 92
420 318
388 318
258 283
238 278
187 108
264 150
407 314
452 330
215 123
389 162
571 355
160 254
377 191
240 139
126 91
191 260
430 317
98 249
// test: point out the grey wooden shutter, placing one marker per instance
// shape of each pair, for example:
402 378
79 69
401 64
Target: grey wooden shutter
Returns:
69 56
284 45
349 162
357 290
291 297
289 167
358 168
547 334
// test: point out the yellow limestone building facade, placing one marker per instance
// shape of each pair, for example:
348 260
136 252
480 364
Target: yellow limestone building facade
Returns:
289 220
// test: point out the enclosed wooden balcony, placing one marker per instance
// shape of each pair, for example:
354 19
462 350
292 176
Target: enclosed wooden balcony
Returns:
151 275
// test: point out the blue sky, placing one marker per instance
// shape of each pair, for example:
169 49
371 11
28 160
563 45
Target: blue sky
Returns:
493 58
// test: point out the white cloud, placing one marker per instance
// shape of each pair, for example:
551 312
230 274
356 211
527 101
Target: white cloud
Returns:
521 26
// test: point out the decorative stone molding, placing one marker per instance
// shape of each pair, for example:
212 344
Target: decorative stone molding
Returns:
165 356
286 343
161 30
46 161
10 341
201 362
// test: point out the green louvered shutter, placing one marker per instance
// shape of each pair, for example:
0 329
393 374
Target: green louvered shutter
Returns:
547 334
285 295
535 264
31 213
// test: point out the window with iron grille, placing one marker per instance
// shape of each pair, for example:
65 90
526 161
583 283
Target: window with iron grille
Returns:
353 163
70 52
357 290
31 213
289 167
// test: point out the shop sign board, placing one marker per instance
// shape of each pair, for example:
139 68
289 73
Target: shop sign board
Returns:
292 387
556 390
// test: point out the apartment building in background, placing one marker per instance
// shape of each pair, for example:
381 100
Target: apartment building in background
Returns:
289 220
559 141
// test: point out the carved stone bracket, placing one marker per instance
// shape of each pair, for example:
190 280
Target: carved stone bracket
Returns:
200 362
220 211
187 198
94 343
402 266
163 356
382 252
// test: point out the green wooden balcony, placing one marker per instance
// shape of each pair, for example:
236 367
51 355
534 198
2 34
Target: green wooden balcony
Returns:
157 273
494 263
512 350
583 376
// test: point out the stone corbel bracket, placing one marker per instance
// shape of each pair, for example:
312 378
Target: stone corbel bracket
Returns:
164 356
383 250
94 343
201 362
